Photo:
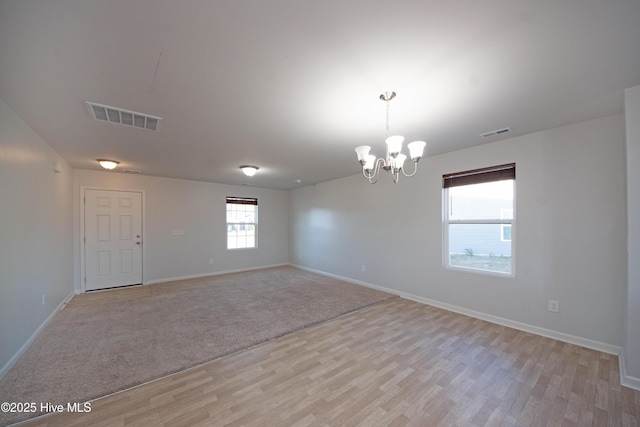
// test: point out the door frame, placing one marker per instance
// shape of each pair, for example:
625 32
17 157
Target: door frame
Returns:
83 271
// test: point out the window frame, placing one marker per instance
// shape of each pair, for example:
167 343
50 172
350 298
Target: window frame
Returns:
504 226
235 200
470 177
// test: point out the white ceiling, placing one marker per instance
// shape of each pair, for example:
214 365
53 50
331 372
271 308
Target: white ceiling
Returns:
292 86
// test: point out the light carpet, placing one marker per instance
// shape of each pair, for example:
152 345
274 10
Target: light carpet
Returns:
104 342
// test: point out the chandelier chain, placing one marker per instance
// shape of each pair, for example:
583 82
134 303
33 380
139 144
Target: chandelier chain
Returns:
388 103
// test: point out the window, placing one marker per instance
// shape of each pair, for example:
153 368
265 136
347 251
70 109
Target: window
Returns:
479 221
242 222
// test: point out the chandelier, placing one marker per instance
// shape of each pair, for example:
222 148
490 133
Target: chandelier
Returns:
393 162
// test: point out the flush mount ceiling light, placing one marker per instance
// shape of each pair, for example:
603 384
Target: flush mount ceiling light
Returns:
108 164
394 160
249 170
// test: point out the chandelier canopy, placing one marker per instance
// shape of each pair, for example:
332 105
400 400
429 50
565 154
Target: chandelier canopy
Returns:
394 160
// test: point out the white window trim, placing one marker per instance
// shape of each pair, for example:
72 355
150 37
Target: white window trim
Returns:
503 212
255 225
502 227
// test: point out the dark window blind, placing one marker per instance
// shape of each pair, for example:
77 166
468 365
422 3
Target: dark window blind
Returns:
242 200
478 176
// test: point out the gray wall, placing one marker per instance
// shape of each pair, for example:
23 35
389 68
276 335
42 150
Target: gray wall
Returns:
569 240
632 331
199 210
36 247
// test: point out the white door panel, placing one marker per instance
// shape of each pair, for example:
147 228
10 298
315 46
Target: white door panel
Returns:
113 238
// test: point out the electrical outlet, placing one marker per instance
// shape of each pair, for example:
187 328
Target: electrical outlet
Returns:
363 268
44 299
211 261
554 306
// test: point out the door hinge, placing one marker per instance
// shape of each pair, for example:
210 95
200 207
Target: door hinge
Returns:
85 280
85 239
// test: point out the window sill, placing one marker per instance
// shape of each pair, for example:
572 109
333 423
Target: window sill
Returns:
480 272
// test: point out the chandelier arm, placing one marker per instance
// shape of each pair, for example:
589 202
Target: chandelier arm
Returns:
415 169
375 171
366 175
380 162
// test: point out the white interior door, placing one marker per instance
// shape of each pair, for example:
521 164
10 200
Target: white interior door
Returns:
113 238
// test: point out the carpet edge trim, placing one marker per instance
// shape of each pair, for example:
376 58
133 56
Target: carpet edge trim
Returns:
200 365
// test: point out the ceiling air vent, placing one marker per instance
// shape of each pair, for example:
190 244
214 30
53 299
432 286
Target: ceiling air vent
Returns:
495 132
119 116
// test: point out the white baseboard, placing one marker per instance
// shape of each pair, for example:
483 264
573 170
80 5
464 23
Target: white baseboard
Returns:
626 379
7 366
549 333
346 279
560 336
216 273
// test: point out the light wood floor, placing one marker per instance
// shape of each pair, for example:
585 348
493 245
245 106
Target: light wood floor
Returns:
396 363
